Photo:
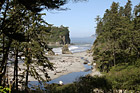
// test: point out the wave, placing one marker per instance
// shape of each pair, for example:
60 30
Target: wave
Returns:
73 47
80 48
58 50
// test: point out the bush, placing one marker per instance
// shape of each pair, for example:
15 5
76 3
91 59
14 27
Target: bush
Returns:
4 90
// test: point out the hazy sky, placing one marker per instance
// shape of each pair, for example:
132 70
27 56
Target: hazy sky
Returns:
81 17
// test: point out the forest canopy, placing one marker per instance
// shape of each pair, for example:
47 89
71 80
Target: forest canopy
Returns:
117 47
23 34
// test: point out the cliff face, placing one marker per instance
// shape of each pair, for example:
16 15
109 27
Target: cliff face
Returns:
59 36
65 39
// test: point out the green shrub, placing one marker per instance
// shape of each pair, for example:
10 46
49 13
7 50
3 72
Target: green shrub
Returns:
4 90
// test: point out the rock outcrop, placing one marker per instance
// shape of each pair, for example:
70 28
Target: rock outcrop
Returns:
59 36
65 50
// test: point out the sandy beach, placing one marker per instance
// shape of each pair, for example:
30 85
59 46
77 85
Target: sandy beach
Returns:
68 63
63 64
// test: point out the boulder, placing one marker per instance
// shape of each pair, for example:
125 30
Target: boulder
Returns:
88 51
85 62
65 50
61 82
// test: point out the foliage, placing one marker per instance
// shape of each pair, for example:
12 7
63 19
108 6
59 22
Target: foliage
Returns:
117 47
24 34
125 77
59 34
84 85
4 90
118 37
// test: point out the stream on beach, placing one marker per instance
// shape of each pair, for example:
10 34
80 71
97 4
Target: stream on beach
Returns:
80 45
66 79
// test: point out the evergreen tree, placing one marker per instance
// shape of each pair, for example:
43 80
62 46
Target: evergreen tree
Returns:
117 35
117 47
128 9
24 33
99 25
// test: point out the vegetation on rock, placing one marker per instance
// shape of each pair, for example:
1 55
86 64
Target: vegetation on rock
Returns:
65 50
58 36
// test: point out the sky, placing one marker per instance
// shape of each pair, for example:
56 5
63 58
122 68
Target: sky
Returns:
80 17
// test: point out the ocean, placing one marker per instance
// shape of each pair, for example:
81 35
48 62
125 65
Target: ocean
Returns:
78 45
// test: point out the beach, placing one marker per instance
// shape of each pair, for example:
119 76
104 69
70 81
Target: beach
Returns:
63 64
68 63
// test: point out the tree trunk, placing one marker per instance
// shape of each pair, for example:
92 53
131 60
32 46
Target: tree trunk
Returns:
5 49
27 64
15 85
114 55
16 69
4 61
27 74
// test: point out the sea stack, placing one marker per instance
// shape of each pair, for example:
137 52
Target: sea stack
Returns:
65 50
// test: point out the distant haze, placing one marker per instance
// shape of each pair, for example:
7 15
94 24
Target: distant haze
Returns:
84 40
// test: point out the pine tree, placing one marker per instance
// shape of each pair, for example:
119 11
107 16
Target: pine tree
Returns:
117 37
25 33
128 9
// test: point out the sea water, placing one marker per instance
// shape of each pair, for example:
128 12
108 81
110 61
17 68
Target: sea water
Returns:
78 45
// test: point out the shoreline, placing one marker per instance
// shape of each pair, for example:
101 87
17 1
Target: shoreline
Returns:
63 65
78 58
74 63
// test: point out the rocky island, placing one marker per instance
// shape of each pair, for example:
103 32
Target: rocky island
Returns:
58 36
